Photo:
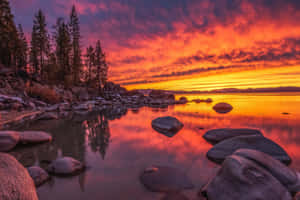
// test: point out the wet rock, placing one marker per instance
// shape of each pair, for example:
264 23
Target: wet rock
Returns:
223 108
168 126
15 180
33 137
48 116
218 135
8 140
174 196
240 178
39 175
283 174
65 166
165 179
227 147
209 100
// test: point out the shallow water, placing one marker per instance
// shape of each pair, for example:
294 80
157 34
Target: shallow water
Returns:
116 151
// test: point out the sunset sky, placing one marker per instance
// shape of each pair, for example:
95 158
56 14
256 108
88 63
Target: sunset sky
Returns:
186 44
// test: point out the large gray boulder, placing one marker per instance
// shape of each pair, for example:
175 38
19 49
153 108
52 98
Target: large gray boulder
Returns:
165 179
65 166
226 148
38 175
15 182
242 179
223 108
218 135
168 126
8 140
282 173
34 137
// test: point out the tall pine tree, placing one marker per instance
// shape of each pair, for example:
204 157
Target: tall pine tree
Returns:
90 62
40 44
63 49
8 35
75 38
21 59
101 66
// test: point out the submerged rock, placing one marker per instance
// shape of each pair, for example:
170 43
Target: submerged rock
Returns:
65 166
165 179
218 135
240 178
226 148
282 173
33 137
38 175
168 126
223 108
48 116
15 180
8 140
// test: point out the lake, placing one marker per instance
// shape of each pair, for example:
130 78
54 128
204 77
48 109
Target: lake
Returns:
117 149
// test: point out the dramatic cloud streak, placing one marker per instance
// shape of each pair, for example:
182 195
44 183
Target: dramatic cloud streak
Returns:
159 41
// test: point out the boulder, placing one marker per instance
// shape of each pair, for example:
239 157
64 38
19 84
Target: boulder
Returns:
209 100
15 180
33 137
240 178
160 94
168 126
297 196
39 175
223 108
218 135
8 140
65 166
182 100
282 173
226 148
165 179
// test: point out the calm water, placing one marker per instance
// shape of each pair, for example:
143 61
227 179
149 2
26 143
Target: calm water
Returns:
116 151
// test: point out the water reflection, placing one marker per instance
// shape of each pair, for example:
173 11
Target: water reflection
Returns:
117 144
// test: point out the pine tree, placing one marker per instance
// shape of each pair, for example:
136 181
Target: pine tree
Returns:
63 49
21 56
33 57
76 51
101 66
8 35
90 62
40 43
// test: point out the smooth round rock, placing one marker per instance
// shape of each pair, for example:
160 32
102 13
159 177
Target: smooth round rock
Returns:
282 173
223 108
242 179
15 182
33 137
168 126
227 147
39 175
218 135
65 166
8 140
165 179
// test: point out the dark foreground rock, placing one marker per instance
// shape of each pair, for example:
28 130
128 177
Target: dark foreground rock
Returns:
282 173
34 137
165 179
240 178
168 126
226 148
297 196
218 135
16 184
223 108
38 175
65 166
8 140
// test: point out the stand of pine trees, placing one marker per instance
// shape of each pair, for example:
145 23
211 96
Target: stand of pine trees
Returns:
51 58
